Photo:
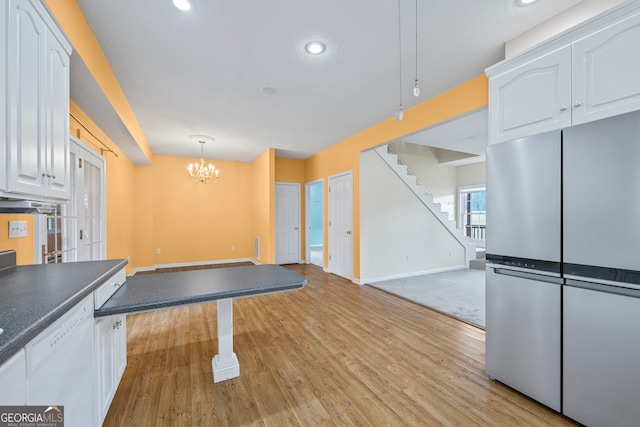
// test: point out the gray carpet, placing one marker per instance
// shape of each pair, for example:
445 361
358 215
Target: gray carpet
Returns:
459 293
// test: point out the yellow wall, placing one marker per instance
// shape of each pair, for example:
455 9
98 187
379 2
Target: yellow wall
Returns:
263 204
22 245
344 156
196 222
121 200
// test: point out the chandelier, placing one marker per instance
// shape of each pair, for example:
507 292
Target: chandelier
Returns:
202 172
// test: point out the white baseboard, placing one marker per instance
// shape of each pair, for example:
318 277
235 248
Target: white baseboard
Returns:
412 274
191 264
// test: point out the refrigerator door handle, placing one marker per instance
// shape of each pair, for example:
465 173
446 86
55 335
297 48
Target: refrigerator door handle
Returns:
596 286
525 275
608 283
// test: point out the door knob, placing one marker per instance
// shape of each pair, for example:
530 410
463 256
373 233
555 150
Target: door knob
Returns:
348 231
577 104
563 108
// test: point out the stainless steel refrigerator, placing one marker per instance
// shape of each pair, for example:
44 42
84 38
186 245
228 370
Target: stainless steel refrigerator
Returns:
523 282
563 277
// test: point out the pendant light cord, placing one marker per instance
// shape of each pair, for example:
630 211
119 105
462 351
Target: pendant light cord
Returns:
400 56
416 40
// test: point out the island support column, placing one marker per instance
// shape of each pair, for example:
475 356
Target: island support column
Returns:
225 364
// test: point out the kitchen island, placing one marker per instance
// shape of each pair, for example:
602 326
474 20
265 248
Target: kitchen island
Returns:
164 290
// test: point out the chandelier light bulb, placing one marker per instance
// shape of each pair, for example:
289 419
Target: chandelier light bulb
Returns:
400 114
416 89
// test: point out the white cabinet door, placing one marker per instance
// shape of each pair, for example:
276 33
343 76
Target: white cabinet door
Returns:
27 64
56 109
13 377
532 98
606 66
111 360
105 365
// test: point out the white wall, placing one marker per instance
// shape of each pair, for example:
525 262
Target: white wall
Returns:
473 174
399 236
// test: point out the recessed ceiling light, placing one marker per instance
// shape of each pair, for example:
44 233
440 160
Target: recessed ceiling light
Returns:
183 5
315 48
524 2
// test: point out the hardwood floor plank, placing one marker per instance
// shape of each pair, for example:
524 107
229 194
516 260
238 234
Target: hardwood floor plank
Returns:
334 353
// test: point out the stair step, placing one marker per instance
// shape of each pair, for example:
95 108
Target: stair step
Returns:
477 264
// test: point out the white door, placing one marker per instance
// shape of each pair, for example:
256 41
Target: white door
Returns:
76 231
341 225
287 223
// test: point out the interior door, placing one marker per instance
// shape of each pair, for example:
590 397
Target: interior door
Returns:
341 225
287 223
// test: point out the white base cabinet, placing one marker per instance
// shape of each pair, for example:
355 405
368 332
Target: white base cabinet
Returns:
110 347
585 74
111 359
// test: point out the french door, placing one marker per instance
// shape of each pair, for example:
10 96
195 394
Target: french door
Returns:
76 230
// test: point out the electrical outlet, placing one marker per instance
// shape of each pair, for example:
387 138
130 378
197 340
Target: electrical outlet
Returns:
158 251
233 247
17 229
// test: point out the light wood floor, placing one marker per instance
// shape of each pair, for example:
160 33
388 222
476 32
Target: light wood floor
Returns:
334 353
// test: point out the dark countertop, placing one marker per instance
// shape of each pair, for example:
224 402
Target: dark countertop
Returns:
164 290
32 297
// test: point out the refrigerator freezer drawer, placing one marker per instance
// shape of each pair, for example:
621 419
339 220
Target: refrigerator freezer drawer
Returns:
523 335
601 357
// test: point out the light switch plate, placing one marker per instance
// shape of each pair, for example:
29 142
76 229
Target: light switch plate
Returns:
17 229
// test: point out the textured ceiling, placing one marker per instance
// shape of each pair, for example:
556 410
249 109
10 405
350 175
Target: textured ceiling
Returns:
204 71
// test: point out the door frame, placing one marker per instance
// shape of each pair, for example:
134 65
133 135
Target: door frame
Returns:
307 220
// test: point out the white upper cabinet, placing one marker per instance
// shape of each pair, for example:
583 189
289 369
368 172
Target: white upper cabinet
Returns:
532 98
606 77
37 103
585 74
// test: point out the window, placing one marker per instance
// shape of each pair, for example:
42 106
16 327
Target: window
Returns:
473 212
